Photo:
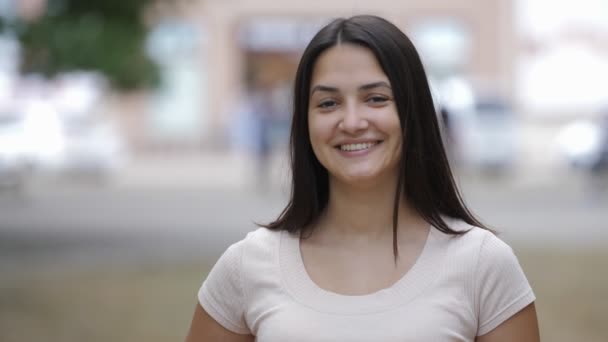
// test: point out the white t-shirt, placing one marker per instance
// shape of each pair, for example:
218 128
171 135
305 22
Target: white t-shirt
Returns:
460 287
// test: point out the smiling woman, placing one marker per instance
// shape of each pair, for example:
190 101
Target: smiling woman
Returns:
352 118
369 172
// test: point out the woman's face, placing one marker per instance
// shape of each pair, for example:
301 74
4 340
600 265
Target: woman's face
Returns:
352 117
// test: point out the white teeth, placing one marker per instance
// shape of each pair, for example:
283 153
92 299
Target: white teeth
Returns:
357 147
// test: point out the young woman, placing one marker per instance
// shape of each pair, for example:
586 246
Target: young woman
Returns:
375 243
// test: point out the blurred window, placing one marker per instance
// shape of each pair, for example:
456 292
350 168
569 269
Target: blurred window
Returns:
444 43
277 34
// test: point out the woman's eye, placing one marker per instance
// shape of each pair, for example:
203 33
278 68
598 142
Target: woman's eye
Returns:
327 104
377 99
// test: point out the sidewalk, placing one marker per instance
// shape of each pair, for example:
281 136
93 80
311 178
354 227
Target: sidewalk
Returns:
214 170
233 171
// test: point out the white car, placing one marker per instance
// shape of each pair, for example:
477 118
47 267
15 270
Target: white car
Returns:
583 144
15 158
93 149
491 136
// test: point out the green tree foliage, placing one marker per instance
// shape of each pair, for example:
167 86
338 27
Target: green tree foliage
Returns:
107 36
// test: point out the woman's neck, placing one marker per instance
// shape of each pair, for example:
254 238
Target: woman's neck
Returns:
364 212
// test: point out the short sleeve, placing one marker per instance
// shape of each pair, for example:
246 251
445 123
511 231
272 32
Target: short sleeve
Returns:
502 289
221 294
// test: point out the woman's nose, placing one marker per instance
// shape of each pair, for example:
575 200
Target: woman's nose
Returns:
353 119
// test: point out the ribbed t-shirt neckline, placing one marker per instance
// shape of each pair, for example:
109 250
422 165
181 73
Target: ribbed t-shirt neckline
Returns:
304 290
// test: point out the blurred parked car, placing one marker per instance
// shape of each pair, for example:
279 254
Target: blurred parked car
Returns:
485 135
584 144
66 132
93 149
491 141
15 159
481 125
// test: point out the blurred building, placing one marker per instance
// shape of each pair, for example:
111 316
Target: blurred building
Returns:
540 63
212 53
543 64
467 38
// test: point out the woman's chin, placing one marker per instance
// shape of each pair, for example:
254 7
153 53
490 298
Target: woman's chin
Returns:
361 178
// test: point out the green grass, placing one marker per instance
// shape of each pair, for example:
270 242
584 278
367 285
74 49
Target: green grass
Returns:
155 303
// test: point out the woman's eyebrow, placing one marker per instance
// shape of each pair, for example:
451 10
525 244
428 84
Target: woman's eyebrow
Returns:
323 88
375 85
363 87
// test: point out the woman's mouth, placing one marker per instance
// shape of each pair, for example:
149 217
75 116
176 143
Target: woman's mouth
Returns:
358 146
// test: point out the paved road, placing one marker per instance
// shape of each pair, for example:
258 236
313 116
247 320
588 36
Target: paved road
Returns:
87 224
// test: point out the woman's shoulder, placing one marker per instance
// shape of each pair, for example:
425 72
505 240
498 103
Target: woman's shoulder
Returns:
472 240
258 241
253 251
261 236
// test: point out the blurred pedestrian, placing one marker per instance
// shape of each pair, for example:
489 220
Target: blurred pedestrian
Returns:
375 243
252 129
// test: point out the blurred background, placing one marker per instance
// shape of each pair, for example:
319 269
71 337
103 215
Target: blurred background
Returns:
139 138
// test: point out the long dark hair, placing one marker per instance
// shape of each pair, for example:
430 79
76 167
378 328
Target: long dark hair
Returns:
425 177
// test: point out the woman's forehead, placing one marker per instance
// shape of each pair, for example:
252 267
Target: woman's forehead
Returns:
347 65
